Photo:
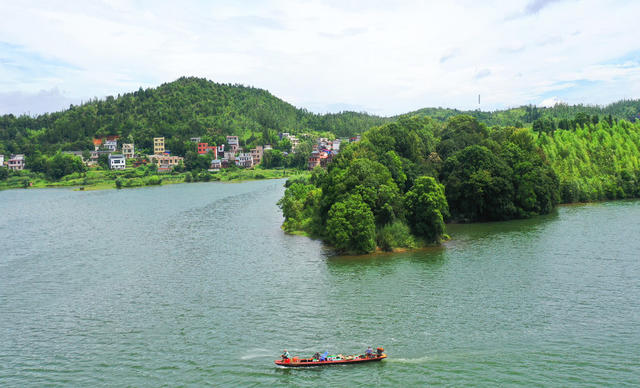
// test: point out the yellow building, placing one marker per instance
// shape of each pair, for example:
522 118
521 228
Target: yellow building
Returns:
158 145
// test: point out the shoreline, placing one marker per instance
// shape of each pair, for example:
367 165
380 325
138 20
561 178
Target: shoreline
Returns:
103 182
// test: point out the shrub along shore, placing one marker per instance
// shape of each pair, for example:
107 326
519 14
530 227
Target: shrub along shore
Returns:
97 179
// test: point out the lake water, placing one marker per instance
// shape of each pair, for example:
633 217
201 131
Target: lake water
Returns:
196 284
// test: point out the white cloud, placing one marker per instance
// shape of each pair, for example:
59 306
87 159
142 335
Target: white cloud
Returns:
385 58
550 102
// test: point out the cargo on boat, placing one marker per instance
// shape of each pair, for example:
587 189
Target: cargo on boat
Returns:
325 359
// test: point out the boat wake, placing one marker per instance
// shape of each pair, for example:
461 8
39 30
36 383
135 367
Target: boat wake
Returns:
419 360
257 353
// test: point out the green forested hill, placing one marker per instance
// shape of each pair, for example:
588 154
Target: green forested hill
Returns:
553 117
187 107
194 107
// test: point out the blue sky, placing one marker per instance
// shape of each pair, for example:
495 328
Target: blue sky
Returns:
376 56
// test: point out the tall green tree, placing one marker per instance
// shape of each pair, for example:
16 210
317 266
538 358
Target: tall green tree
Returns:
426 207
350 226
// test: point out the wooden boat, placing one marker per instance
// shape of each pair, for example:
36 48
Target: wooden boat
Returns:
296 362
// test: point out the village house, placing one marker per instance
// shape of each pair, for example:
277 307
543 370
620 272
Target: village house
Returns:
127 151
294 140
256 154
323 142
220 149
93 160
216 165
335 146
203 148
229 155
79 154
244 160
1 160
234 143
117 162
195 140
158 145
166 162
16 162
140 162
314 159
320 158
110 145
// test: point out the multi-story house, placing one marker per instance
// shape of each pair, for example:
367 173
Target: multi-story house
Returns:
110 145
128 150
319 158
195 140
158 145
16 162
256 154
1 160
166 162
203 148
233 142
117 162
244 160
294 142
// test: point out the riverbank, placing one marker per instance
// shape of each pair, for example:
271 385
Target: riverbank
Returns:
111 179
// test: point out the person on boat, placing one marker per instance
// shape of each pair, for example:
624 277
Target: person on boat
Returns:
379 351
285 355
316 356
369 352
324 355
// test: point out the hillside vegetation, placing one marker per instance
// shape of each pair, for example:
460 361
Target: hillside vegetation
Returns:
185 108
595 161
196 107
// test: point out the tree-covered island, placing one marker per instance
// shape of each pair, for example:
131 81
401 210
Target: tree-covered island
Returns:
398 186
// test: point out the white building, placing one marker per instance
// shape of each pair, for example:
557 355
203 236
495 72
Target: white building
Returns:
110 145
128 151
16 162
117 162
336 145
1 160
244 160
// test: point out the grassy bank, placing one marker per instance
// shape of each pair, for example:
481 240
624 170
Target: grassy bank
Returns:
96 179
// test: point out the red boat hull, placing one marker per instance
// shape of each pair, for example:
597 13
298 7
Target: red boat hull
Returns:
297 363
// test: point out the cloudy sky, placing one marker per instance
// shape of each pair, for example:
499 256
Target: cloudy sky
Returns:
383 57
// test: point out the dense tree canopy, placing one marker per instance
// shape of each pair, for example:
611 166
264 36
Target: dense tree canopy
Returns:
415 173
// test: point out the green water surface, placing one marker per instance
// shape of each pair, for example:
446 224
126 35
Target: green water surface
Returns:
190 285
